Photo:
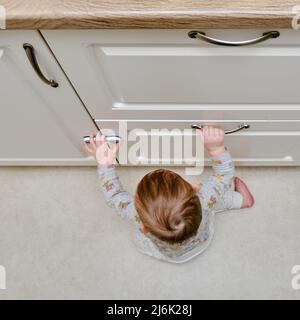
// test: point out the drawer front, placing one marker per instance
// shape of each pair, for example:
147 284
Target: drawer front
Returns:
165 74
264 143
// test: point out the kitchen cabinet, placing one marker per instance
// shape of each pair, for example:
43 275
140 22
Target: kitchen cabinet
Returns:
40 124
165 74
170 79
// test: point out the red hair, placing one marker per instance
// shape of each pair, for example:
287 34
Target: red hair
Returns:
168 206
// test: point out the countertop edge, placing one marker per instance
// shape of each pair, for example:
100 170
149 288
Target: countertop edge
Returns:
215 19
147 17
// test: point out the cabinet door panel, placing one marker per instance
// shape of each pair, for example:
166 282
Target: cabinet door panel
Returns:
247 150
264 143
163 74
38 123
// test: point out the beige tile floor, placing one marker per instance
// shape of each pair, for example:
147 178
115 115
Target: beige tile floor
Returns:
59 240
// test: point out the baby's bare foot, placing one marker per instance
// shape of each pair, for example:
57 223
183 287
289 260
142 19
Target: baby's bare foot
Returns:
241 187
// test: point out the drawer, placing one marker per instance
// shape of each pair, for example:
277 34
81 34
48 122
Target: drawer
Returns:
165 74
264 143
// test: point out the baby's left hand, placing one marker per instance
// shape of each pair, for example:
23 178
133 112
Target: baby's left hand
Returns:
100 150
213 139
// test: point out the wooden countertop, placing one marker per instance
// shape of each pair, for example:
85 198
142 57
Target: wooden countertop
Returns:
123 14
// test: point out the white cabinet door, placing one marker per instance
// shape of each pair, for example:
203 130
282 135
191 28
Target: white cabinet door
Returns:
39 124
164 74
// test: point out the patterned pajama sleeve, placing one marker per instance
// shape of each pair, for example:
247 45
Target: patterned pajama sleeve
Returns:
218 193
115 195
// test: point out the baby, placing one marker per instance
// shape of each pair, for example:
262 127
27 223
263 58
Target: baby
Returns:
173 220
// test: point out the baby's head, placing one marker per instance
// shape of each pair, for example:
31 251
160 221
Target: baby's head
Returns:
168 206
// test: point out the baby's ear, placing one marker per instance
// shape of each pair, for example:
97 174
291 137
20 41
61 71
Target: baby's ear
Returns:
196 187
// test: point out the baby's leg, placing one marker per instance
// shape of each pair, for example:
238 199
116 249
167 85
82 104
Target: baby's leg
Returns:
238 197
241 187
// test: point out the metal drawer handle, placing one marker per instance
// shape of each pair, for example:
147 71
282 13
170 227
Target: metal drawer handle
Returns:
33 61
202 36
239 128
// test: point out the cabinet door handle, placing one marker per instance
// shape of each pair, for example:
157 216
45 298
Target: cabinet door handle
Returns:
33 61
239 128
202 36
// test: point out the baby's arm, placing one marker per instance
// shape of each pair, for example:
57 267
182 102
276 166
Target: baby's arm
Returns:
110 185
114 193
217 193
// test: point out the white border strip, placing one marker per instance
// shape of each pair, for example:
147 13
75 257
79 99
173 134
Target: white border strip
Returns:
2 17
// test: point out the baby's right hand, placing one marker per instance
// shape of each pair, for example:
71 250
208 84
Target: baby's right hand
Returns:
213 140
99 149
